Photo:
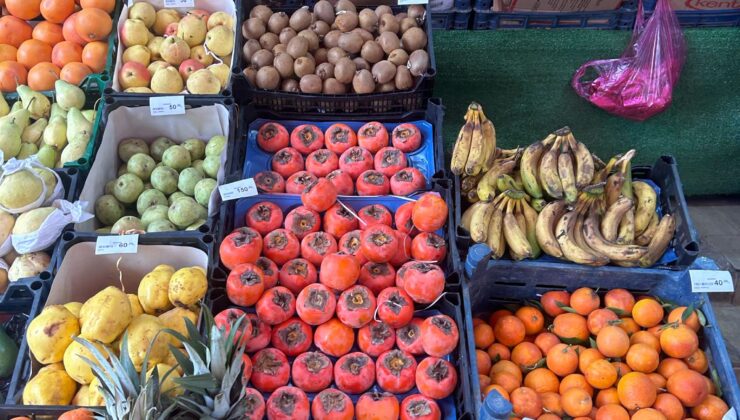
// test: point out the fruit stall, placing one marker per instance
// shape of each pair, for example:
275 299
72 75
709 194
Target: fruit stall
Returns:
259 209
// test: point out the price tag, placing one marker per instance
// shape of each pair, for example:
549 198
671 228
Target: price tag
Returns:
238 189
407 2
179 3
730 415
117 244
166 105
708 281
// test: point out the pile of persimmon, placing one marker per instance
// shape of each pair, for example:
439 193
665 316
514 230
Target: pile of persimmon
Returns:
610 357
68 43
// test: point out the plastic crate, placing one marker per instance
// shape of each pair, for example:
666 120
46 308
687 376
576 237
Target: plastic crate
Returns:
370 104
233 217
623 18
663 173
457 406
233 156
499 284
457 19
429 159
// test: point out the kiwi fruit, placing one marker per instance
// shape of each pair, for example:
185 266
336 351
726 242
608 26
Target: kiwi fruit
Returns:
311 83
403 79
268 78
300 19
363 82
250 47
286 35
418 62
414 39
385 87
344 70
388 41
346 20
325 70
262 12
303 66
408 23
372 52
251 74
283 63
268 40
399 57
320 55
345 5
313 39
320 28
366 35
418 12
368 20
388 23
324 11
290 85
262 58
279 48
333 87
401 16
382 10
277 22
351 42
334 54
361 63
331 39
383 71
253 28
298 47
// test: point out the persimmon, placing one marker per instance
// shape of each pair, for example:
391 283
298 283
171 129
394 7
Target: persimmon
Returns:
542 380
66 52
69 30
12 74
584 300
93 24
8 52
576 402
636 391
32 52
43 75
669 405
107 5
74 73
647 312
95 55
48 32
13 31
23 9
532 319
56 11
642 358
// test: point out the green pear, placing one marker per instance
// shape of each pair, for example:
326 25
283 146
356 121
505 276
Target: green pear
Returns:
55 133
16 106
68 95
73 152
36 103
10 139
47 155
19 117
4 108
32 133
79 129
57 110
27 149
89 114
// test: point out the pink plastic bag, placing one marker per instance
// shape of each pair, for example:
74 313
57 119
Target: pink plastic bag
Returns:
640 83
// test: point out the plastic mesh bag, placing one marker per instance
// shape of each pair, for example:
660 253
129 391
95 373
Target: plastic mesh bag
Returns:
640 83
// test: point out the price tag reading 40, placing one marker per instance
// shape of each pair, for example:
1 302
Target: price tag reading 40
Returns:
117 244
166 105
708 281
238 189
179 3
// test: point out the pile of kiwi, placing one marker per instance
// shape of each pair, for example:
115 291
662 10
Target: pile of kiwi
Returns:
334 49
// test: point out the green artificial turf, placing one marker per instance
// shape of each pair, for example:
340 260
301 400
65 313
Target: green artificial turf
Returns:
522 78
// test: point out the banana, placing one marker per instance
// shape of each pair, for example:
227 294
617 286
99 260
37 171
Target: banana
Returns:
572 252
626 233
584 162
567 174
461 151
507 182
613 187
479 222
515 237
538 204
529 163
545 227
661 240
647 236
613 216
646 203
530 216
487 184
495 239
592 236
476 157
580 239
472 196
467 215
468 183
548 171
489 138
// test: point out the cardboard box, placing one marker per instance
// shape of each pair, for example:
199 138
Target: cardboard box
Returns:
713 5
564 5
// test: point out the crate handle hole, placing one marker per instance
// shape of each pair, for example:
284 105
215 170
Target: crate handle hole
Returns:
36 285
45 275
73 171
208 239
692 247
68 236
204 228
109 100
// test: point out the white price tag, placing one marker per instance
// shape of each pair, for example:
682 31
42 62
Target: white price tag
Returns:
730 415
238 189
117 244
179 3
708 281
407 2
166 105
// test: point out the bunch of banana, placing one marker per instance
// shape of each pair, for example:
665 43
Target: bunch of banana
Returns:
475 148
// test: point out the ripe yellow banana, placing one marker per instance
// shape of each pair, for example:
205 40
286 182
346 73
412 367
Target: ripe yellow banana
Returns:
581 240
583 160
467 215
479 222
487 184
571 251
515 237
661 240
489 138
495 239
461 151
530 216
647 236
645 207
529 163
567 174
545 227
613 216
593 238
548 171
476 157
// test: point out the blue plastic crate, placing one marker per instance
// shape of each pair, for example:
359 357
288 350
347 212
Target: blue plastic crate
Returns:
457 19
623 18
501 284
700 18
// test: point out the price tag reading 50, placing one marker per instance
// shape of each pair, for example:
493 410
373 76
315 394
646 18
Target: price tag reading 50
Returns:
179 3
166 105
238 189
117 244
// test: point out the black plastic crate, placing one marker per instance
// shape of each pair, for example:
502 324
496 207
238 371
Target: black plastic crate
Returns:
664 173
373 103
